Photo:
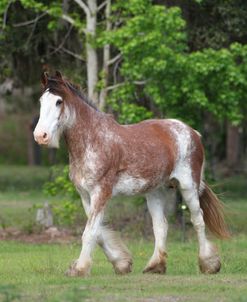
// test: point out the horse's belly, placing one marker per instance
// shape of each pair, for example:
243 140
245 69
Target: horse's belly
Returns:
130 185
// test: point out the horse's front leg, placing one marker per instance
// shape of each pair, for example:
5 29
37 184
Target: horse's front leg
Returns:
115 250
82 266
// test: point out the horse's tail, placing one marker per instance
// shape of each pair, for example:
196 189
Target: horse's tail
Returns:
213 213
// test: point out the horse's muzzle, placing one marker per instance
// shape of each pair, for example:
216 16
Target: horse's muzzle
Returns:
41 138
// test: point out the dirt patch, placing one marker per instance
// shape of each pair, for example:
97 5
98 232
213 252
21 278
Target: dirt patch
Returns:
162 299
50 235
169 298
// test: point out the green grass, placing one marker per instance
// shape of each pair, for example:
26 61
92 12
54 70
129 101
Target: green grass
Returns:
232 187
36 273
23 178
18 208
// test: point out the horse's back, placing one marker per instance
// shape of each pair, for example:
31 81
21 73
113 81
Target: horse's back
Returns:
172 133
172 143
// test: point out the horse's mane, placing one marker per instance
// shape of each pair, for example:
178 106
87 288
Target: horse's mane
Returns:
56 85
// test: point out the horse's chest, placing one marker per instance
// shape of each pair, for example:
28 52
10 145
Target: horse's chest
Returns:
129 185
86 174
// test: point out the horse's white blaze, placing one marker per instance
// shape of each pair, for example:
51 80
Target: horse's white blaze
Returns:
51 122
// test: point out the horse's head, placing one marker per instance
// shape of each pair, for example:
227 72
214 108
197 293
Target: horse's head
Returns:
55 113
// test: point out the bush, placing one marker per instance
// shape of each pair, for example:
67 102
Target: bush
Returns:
68 210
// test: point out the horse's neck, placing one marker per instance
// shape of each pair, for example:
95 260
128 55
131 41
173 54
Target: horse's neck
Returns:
82 133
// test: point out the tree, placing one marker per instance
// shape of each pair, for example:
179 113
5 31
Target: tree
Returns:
157 66
142 57
150 39
150 50
82 17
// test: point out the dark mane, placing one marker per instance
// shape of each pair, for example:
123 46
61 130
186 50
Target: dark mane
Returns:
56 85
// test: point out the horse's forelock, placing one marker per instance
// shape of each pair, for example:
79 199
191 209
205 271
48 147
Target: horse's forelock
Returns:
56 86
65 88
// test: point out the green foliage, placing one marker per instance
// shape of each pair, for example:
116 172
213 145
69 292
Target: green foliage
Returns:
154 46
216 81
61 185
128 112
32 31
215 23
65 210
149 39
34 5
176 62
179 84
132 113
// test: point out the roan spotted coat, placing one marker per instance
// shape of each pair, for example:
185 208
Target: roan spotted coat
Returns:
153 158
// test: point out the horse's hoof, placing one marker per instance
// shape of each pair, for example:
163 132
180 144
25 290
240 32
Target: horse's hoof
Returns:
156 268
210 265
74 271
157 265
123 267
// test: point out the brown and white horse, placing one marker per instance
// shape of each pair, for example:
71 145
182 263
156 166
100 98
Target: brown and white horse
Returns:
107 159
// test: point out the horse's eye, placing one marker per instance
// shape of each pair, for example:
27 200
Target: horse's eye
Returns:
59 102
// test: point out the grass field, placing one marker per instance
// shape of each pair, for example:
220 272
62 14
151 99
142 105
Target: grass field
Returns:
35 272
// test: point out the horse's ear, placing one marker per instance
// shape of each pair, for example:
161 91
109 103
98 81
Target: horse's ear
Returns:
58 75
44 79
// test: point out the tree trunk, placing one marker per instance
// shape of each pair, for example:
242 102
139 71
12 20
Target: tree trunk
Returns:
106 58
92 58
233 146
30 149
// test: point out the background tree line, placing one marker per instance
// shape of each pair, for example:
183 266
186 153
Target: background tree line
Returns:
137 59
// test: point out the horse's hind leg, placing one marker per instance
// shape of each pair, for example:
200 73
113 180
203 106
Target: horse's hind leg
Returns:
156 206
209 261
113 247
115 250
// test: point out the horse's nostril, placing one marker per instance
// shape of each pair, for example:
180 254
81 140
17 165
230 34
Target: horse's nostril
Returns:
44 135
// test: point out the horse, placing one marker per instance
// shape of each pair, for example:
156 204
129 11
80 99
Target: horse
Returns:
150 158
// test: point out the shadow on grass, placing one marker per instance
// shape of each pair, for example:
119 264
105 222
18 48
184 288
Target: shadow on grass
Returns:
9 293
